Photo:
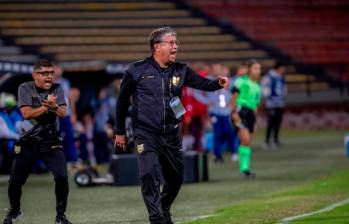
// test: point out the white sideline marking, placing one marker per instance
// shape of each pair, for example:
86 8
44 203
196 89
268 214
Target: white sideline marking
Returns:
326 209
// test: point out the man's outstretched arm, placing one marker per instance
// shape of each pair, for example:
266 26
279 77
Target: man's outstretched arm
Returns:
197 82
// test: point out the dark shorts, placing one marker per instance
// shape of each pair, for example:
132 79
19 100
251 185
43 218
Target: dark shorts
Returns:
248 119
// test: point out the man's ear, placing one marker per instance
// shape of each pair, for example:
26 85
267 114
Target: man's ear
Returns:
156 46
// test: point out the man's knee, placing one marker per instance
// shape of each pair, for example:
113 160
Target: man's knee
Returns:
17 181
13 185
61 180
149 170
60 174
151 177
177 180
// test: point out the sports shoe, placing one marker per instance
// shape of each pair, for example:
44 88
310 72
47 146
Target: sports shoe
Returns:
248 175
12 216
62 219
218 160
266 146
167 216
234 157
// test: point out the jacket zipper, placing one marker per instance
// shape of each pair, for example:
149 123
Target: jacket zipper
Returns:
163 101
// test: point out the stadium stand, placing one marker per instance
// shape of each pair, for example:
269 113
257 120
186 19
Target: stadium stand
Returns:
312 32
115 31
14 53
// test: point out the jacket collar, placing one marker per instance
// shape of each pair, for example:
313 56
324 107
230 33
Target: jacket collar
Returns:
152 61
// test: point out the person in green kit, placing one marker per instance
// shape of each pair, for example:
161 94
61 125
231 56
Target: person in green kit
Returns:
245 101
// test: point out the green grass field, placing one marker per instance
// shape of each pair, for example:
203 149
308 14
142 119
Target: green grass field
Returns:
309 173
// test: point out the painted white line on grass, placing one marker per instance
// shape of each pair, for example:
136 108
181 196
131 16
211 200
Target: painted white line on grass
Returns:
326 209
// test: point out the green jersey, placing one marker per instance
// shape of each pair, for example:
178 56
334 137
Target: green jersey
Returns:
249 92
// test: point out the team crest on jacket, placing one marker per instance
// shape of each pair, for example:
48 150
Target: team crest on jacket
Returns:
176 80
140 148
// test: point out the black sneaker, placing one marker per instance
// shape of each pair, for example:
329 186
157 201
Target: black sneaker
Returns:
12 216
62 220
248 175
167 217
218 160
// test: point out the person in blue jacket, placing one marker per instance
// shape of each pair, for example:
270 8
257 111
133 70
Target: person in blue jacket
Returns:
274 90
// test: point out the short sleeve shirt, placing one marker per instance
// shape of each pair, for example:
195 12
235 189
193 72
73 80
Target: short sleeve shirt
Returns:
30 95
249 93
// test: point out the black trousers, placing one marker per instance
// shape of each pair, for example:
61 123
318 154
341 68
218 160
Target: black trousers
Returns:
274 122
159 154
22 165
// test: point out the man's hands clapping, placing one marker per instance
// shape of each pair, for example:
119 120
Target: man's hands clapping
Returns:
50 103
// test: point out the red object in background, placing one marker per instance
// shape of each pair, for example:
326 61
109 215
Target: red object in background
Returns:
193 107
196 113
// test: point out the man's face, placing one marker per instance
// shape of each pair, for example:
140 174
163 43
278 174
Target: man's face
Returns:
281 70
166 50
58 72
255 71
242 70
43 77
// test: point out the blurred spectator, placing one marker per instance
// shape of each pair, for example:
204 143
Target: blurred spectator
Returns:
187 140
80 139
219 111
9 116
274 91
241 70
12 110
208 138
86 139
102 115
65 123
6 128
196 112
87 100
74 96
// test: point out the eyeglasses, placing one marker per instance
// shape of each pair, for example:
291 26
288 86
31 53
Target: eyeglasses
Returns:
171 43
46 74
